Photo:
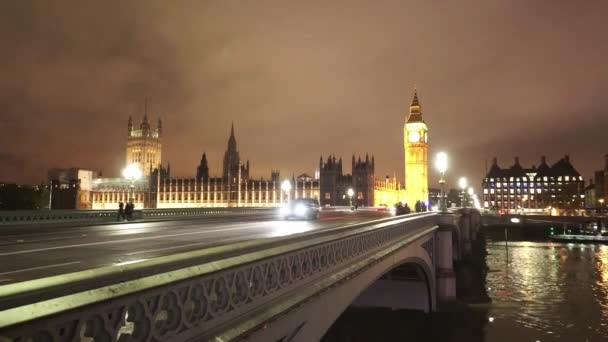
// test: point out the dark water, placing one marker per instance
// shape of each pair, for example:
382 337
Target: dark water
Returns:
541 291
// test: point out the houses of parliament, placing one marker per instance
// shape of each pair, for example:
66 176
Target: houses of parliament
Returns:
235 188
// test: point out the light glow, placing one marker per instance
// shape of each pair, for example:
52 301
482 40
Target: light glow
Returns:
132 172
441 162
462 183
286 185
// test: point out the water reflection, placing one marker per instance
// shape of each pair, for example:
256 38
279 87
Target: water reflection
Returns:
541 291
549 291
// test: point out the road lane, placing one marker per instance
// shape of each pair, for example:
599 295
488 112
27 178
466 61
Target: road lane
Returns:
34 254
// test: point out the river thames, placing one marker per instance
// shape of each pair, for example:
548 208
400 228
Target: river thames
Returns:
540 291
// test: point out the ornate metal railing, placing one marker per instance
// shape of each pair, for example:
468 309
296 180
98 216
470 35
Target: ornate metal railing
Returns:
202 301
27 217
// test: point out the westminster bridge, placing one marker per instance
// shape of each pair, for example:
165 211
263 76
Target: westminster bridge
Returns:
211 277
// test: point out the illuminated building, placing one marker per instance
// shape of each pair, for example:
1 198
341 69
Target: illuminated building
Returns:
558 186
415 134
71 188
334 184
388 191
158 189
144 146
598 187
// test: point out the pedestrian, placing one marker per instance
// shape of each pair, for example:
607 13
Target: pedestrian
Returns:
417 207
121 211
423 206
407 209
129 210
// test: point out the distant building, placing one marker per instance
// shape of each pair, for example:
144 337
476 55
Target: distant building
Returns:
71 188
416 142
233 189
590 195
144 145
600 187
334 184
158 189
558 186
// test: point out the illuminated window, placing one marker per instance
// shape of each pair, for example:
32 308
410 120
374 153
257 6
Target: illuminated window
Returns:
491 191
545 178
485 191
327 196
511 191
491 179
511 179
498 185
567 178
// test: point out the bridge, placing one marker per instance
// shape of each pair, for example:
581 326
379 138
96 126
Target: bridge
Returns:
522 219
241 278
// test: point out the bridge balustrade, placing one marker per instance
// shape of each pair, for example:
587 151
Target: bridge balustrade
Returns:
222 299
38 217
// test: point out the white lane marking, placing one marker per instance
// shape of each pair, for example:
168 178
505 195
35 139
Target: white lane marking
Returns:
40 267
214 242
129 262
121 241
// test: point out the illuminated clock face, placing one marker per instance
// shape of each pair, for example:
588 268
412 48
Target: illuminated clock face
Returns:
414 137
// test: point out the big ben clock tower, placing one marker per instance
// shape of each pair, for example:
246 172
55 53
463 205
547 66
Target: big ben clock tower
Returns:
416 155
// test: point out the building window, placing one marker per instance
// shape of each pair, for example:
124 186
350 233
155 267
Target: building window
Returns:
327 195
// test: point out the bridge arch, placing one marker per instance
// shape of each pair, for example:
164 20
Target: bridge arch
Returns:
407 285
411 271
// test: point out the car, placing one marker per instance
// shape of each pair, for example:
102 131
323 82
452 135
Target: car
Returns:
301 208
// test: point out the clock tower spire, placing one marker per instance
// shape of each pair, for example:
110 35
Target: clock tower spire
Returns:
416 154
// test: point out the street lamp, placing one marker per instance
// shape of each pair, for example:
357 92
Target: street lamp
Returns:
350 192
441 164
132 173
601 200
286 187
462 183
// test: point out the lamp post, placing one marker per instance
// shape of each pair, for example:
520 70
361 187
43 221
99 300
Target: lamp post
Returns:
350 192
132 173
601 200
462 183
471 192
441 164
286 187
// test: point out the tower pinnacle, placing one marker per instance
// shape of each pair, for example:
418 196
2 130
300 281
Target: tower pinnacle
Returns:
415 113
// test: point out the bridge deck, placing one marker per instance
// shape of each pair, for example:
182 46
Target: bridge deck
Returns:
33 252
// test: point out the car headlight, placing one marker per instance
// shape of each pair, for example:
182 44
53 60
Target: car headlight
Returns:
301 210
284 211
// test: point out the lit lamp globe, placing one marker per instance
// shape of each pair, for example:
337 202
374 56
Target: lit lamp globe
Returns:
350 192
471 192
462 183
132 173
286 186
441 162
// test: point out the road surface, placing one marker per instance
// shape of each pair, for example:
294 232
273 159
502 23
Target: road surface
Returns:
30 252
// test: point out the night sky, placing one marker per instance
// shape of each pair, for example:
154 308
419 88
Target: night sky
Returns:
302 79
